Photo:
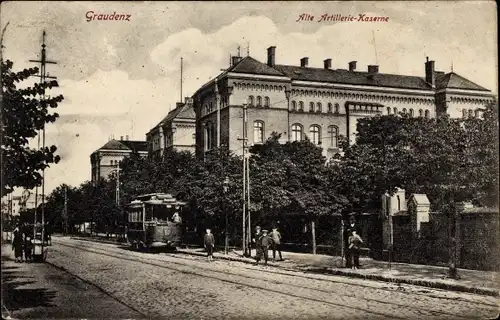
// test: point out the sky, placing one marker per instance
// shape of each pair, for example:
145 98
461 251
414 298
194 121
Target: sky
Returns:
122 77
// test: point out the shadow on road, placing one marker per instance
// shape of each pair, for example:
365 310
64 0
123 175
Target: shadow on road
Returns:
16 291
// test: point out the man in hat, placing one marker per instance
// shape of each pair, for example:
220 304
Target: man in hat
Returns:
276 244
255 241
209 243
265 242
351 226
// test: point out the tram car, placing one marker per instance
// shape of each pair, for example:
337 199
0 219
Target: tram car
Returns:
154 221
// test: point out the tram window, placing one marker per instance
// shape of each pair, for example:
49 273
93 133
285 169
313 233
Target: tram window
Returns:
161 213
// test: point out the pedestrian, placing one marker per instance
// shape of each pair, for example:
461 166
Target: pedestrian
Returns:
17 244
276 243
265 242
355 242
28 249
255 239
209 243
352 225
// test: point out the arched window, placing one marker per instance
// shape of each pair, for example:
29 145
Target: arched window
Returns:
311 107
315 134
251 100
301 106
471 113
266 102
333 137
420 113
336 108
259 101
404 110
427 114
388 110
294 106
211 106
207 137
395 111
296 132
258 132
330 107
464 113
476 113
411 113
318 107
399 203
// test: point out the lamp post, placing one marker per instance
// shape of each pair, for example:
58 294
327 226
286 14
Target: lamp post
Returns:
225 187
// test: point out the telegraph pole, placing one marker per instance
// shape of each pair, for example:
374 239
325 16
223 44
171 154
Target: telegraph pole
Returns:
245 185
65 210
217 104
117 192
43 77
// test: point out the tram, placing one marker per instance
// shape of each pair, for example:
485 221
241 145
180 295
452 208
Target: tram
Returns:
154 221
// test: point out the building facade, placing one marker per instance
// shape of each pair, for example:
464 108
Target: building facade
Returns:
320 103
176 130
106 159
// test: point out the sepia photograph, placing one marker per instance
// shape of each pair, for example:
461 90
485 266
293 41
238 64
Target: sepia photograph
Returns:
249 160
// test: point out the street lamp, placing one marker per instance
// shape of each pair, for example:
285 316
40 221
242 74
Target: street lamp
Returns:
225 187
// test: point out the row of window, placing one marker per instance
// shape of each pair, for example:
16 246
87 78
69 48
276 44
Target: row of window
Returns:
421 113
315 107
114 162
252 101
470 113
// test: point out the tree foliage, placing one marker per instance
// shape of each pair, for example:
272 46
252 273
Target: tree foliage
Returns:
23 116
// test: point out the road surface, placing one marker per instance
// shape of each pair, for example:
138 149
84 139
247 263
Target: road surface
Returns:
176 286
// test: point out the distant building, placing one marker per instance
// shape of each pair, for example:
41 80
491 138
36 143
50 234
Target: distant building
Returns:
106 159
321 103
176 130
13 205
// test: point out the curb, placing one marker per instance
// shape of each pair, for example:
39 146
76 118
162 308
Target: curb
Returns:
337 272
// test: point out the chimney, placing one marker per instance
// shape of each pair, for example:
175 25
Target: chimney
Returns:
304 62
126 137
328 63
373 69
271 56
352 65
235 60
121 137
430 73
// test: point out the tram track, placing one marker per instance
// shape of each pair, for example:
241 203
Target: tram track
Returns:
420 311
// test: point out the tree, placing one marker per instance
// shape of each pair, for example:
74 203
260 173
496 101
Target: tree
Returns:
23 115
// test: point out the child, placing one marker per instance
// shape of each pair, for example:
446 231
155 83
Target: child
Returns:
209 243
355 242
28 249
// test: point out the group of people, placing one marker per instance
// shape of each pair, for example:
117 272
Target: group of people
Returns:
22 244
262 241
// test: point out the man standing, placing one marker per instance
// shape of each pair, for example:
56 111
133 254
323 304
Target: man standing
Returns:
255 239
355 243
209 243
276 243
263 244
347 233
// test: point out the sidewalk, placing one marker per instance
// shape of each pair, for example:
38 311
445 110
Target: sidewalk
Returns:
472 281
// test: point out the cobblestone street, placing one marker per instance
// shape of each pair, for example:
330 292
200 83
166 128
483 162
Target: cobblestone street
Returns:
176 286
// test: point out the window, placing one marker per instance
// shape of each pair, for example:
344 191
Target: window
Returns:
333 137
464 113
420 113
251 100
266 102
315 132
206 137
330 108
111 162
311 107
411 113
258 132
427 114
395 111
318 107
476 113
211 106
388 110
301 106
213 137
296 132
471 113
404 110
336 108
399 203
294 106
259 101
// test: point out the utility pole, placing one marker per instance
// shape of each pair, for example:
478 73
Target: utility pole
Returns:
65 216
245 238
43 76
217 105
117 191
181 79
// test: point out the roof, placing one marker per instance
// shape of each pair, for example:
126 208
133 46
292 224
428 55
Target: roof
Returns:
353 77
420 199
455 81
185 111
250 65
125 145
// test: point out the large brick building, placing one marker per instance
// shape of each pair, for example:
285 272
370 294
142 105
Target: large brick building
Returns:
321 103
107 158
176 130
